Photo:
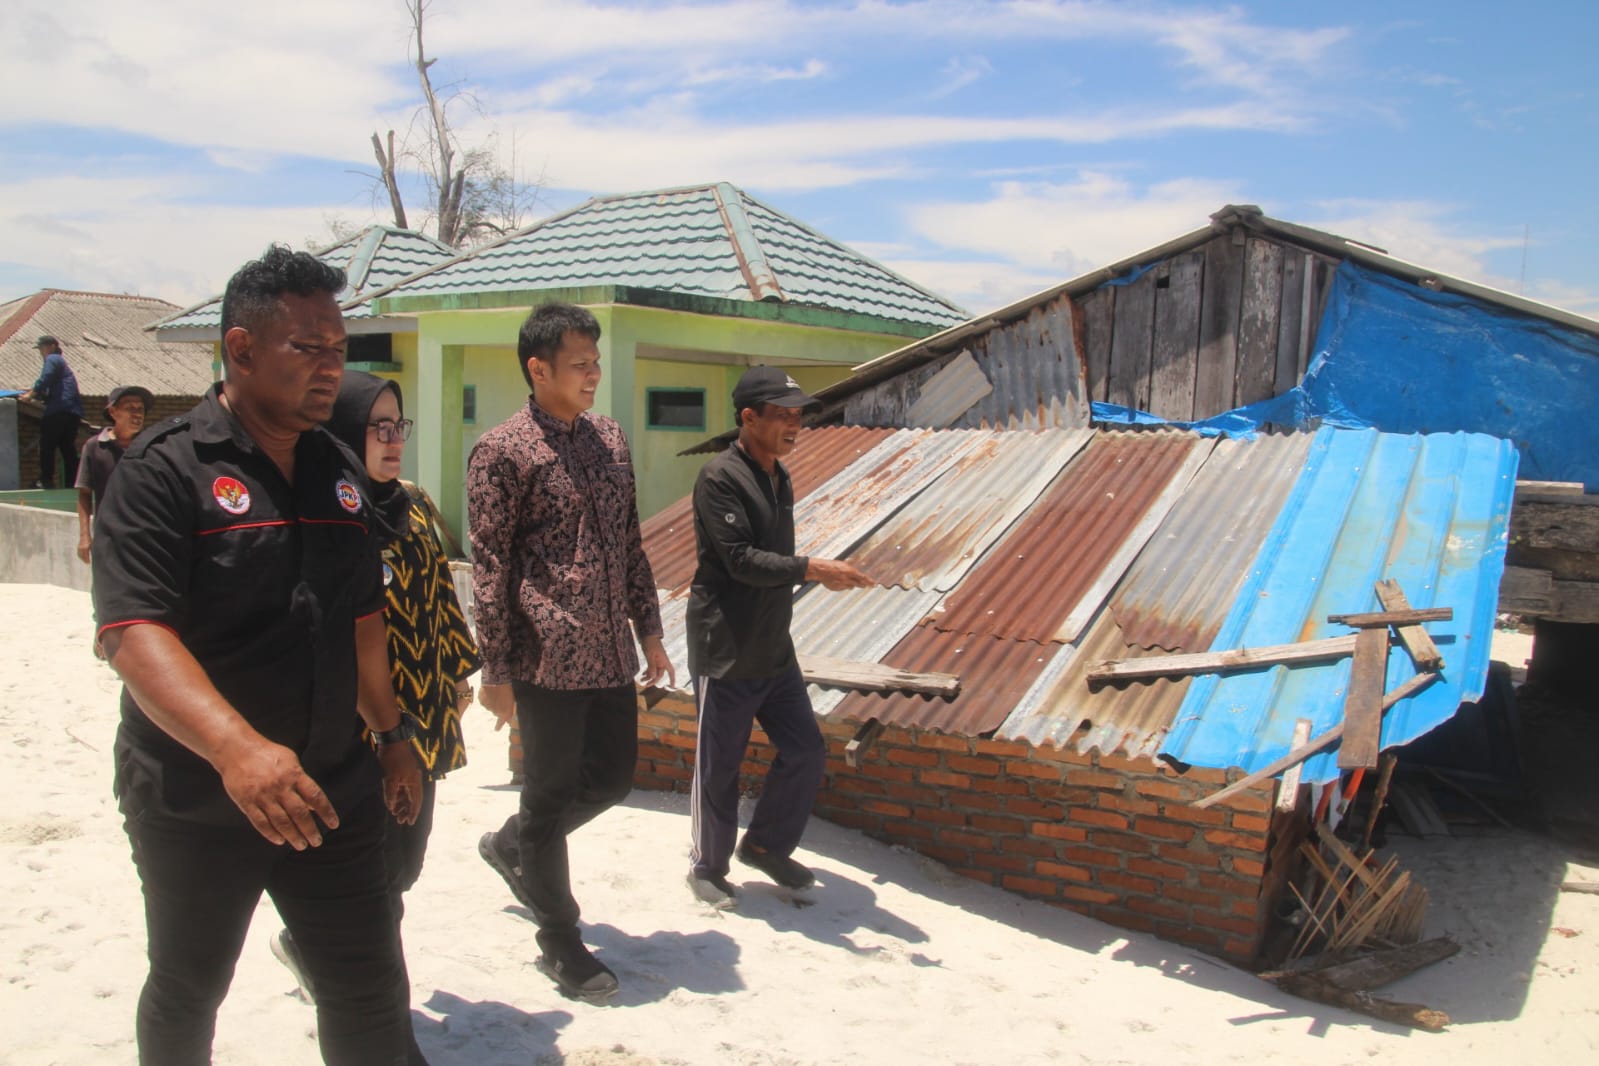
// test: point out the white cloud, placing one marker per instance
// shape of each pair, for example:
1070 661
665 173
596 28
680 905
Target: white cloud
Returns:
960 72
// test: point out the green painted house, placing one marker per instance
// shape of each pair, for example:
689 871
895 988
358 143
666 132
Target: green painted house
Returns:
690 286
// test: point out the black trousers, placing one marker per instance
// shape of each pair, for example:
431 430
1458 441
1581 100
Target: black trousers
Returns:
201 885
58 433
579 748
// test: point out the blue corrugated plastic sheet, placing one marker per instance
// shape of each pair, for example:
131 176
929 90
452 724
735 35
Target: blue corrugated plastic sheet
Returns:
1236 424
1404 359
1428 511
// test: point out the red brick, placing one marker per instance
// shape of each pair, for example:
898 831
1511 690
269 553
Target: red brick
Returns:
1063 871
1210 779
1087 895
991 824
980 800
915 795
884 772
1027 768
1166 871
940 817
1221 838
1059 831
975 841
940 779
1092 856
1125 919
1197 897
1122 842
1004 748
1236 926
1054 791
652 782
1028 846
1117 879
890 810
1193 858
1182 812
1258 801
1242 950
951 857
907 830
1117 764
858 786
1112 801
943 742
911 757
1230 886
1095 779
1244 908
678 740
1157 908
1163 790
1183 933
853 819
1089 816
973 764
1004 787
985 876
1032 808
1154 827
1249 867
1007 863
1068 755
652 720
655 751
1250 823
1032 886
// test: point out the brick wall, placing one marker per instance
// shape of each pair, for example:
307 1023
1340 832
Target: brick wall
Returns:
94 421
1113 838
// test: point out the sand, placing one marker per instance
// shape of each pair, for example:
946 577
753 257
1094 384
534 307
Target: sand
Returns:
894 960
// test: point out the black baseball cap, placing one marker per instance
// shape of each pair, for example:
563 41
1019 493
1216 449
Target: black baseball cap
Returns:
130 390
769 384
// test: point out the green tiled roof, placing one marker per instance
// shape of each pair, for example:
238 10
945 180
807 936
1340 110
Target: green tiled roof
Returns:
713 241
372 259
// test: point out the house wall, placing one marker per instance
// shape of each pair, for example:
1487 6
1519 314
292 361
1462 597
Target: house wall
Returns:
1116 839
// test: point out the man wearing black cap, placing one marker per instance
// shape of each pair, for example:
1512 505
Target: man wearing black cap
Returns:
57 389
126 408
739 650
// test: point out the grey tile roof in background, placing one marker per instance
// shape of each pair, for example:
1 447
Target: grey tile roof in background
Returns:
105 342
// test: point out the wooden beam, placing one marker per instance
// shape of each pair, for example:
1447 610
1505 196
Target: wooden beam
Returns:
1288 791
1385 967
864 737
1306 750
1406 617
1423 652
1207 662
1363 701
875 677
1312 987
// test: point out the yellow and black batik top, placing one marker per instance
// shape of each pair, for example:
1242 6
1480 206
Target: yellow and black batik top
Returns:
430 645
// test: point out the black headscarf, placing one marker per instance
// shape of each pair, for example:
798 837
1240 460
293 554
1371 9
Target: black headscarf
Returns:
351 411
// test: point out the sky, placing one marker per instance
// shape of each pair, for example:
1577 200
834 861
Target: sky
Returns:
984 150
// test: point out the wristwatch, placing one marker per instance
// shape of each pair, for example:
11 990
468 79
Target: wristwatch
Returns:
401 733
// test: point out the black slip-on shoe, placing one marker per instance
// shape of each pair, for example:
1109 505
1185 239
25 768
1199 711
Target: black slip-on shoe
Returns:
568 962
780 868
488 847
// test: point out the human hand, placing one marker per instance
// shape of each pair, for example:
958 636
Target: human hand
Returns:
500 702
837 575
656 663
265 781
83 548
402 781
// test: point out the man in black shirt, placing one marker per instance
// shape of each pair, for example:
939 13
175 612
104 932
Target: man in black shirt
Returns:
739 650
126 409
239 595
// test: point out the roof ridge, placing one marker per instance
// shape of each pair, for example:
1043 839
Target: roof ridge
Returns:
10 326
758 273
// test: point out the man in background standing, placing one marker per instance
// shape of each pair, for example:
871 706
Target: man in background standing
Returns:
561 587
126 407
57 390
740 653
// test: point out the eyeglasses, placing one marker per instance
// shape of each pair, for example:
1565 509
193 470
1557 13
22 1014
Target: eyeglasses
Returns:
388 430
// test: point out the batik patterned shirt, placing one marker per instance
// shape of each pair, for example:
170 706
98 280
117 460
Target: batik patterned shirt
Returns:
558 567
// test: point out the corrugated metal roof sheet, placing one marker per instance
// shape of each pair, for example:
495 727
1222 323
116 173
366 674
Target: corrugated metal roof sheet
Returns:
859 624
710 240
934 539
1430 512
818 455
1187 575
105 342
1045 580
373 258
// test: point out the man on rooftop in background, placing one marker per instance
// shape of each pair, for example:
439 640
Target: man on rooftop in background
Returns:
57 390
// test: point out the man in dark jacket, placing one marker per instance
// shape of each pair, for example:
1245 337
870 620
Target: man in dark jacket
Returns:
739 650
57 389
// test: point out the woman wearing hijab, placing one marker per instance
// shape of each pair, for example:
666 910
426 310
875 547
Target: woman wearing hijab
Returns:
431 650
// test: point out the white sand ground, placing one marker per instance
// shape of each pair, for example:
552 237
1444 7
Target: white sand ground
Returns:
895 961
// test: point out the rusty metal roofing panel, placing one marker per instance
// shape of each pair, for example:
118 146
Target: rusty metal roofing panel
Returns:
818 455
995 673
935 539
949 393
1045 579
859 624
1188 574
838 515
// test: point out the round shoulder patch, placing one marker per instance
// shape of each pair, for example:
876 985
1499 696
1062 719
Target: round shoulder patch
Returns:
231 495
349 496
730 518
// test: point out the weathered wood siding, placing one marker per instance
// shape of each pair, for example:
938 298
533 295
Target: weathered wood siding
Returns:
1203 332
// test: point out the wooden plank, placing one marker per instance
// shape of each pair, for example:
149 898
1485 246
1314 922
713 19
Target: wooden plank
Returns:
875 677
1257 321
1130 346
1404 616
1220 298
1558 564
1423 652
1575 601
1363 701
1379 795
1314 745
1530 489
1097 317
1416 810
1587 888
1524 590
1209 662
1290 319
864 737
1288 791
1415 1015
1174 363
1570 523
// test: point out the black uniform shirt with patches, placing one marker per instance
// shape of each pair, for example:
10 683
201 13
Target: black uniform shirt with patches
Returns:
261 581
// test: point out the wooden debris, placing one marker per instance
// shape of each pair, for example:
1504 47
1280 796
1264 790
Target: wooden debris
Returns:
1288 791
1416 810
1305 751
1357 905
875 677
1379 796
864 737
1470 796
1590 888
1423 652
1363 701
1387 966
1406 616
1208 662
1310 986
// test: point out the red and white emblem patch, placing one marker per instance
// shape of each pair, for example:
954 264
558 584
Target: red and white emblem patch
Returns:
231 495
349 496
